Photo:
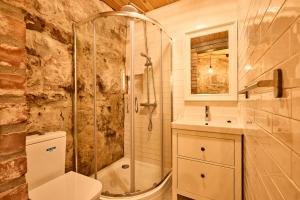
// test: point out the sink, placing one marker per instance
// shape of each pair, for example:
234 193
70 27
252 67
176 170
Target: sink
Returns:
225 126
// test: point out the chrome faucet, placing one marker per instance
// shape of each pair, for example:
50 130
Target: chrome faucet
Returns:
207 113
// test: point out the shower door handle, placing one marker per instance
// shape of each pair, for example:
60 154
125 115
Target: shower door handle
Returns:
136 105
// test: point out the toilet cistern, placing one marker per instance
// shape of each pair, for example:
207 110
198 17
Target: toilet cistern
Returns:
47 152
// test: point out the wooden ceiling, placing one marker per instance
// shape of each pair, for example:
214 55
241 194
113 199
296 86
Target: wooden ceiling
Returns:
208 38
145 5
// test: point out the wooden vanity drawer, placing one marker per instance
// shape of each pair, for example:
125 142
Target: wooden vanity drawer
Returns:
207 149
205 180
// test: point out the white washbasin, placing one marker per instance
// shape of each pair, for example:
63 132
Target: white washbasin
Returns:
210 126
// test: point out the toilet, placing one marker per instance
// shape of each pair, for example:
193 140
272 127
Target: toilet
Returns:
46 175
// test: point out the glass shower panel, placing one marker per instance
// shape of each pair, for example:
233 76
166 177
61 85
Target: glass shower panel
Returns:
123 97
112 104
148 99
166 57
101 99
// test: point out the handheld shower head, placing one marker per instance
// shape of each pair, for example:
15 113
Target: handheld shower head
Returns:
144 55
149 62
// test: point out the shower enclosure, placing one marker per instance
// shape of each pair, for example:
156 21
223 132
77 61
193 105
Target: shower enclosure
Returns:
122 101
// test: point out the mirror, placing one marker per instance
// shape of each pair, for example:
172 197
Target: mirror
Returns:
211 64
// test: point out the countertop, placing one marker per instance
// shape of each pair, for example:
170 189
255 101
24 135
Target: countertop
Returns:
210 126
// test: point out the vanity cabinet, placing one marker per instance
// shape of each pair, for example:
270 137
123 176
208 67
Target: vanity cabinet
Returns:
207 165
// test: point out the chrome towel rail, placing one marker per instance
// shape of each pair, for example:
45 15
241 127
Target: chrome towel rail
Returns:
276 83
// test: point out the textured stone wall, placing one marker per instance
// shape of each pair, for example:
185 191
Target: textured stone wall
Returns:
49 63
13 108
110 62
36 48
203 82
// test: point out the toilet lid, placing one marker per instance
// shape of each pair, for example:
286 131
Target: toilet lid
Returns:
70 186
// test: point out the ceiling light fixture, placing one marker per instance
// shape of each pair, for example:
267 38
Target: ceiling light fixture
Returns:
210 69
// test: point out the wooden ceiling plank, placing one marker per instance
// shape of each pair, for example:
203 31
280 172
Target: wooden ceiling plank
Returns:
113 4
145 5
160 3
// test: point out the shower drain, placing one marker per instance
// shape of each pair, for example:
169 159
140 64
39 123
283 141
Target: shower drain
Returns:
125 166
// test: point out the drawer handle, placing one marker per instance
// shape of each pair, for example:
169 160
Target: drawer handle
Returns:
202 149
202 175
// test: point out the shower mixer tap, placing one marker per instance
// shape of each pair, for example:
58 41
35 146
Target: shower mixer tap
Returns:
151 106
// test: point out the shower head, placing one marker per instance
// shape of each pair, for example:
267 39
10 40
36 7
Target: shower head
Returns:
129 8
144 55
148 63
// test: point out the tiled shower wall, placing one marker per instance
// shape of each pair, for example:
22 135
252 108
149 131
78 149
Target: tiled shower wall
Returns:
184 16
269 38
150 146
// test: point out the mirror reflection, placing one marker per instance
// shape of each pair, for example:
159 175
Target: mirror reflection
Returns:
210 64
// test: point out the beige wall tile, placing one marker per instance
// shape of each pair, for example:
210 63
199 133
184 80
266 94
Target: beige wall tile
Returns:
266 102
253 178
271 188
291 72
285 131
295 39
295 134
271 12
296 103
283 106
278 151
286 16
264 120
280 106
296 169
286 187
278 53
266 163
272 142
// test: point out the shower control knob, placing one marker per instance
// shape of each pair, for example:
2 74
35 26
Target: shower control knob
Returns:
202 175
202 149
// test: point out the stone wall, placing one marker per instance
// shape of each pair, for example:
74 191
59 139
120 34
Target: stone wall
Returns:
49 63
13 108
205 82
45 63
110 63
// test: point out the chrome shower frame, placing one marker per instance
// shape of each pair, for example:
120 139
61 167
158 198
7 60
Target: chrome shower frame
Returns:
92 19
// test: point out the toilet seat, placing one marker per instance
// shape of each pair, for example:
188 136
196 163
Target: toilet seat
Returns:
70 186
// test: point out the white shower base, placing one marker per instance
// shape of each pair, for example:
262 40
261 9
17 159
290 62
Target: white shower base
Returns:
116 180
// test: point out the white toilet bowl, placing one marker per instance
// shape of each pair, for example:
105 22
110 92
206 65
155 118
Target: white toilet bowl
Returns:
46 171
70 186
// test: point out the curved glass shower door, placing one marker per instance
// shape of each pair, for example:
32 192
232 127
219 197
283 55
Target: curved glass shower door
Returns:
122 103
